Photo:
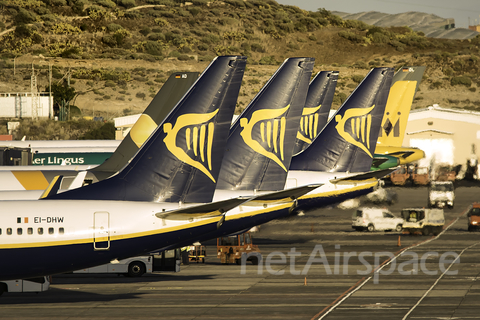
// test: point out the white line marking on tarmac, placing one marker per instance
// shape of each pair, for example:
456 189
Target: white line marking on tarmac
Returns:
435 283
390 261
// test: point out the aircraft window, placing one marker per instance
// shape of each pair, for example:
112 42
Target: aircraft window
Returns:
19 231
50 230
19 220
9 231
30 230
229 241
61 230
40 230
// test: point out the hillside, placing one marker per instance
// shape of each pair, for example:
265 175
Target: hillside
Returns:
117 54
431 25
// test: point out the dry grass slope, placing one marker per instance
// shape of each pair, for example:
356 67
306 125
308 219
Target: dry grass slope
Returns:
117 54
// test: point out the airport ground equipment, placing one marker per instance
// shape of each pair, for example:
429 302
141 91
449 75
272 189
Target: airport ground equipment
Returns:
231 248
13 156
474 217
197 253
25 285
420 176
168 260
373 219
441 194
400 177
446 173
423 220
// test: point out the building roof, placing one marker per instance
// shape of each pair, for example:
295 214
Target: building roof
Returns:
438 112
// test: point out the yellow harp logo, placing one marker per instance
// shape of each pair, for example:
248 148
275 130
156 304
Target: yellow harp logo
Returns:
308 124
360 124
199 138
272 131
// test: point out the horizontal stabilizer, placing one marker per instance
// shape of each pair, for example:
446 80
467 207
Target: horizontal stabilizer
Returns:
204 210
365 176
283 196
53 187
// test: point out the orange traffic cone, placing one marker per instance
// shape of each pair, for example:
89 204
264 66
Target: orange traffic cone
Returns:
305 281
399 244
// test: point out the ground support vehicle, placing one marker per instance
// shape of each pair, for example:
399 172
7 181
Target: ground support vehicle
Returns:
400 177
230 249
446 173
168 260
197 254
474 217
420 176
25 285
441 194
375 219
423 220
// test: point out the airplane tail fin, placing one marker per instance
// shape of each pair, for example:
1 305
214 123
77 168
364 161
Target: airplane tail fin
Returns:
261 141
167 97
317 107
53 187
188 145
404 86
348 141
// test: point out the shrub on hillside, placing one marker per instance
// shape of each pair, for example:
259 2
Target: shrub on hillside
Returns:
25 16
267 60
462 80
256 47
127 3
154 48
436 85
357 78
378 37
194 11
339 98
112 27
293 46
106 3
202 3
156 37
106 132
351 36
355 24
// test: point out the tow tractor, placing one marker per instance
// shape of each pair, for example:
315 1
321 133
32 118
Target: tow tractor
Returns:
424 220
230 249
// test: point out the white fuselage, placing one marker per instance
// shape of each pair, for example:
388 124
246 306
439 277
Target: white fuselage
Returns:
66 235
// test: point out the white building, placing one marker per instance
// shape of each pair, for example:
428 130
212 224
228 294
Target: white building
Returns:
448 136
26 105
